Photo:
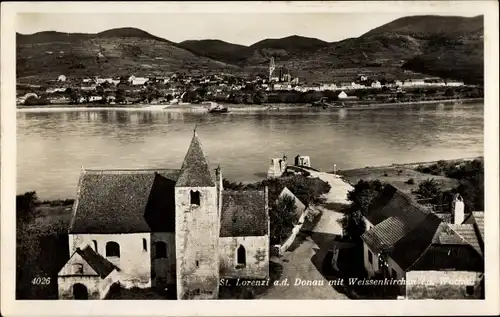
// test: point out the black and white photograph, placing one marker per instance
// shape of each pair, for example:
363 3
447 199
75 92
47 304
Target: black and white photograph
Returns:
211 153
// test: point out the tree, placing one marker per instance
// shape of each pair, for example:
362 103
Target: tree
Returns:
259 97
283 217
449 92
120 95
361 196
25 205
431 190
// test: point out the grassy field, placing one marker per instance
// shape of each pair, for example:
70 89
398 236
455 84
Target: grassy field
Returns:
399 175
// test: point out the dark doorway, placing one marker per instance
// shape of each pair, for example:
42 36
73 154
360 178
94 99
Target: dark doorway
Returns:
242 257
80 291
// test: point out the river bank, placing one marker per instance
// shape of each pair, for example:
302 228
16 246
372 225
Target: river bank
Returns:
232 107
405 176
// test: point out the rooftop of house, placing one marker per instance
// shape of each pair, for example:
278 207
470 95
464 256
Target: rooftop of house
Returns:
102 266
417 239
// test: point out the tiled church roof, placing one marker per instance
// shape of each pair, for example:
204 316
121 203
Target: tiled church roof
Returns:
244 213
195 170
124 201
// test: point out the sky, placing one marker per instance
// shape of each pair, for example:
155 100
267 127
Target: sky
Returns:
237 28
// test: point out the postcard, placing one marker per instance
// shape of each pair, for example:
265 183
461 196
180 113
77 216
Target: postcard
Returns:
168 158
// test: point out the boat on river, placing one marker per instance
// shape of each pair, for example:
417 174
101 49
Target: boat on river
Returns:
214 107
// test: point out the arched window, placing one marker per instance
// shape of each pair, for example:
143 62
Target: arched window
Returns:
195 197
241 256
95 245
144 244
112 249
160 250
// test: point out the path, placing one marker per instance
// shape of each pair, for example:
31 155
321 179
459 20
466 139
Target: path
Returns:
303 261
329 221
299 264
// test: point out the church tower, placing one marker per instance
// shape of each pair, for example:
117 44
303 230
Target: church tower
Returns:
196 227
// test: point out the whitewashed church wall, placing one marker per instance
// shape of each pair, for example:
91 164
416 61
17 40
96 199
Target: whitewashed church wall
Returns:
134 262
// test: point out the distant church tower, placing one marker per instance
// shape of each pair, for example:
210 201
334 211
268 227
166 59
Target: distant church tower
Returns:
272 67
197 227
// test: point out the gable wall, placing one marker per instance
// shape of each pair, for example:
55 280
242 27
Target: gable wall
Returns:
76 259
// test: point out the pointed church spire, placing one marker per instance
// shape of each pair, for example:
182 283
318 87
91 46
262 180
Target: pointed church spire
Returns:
195 170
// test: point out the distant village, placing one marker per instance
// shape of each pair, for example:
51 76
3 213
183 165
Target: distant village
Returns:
277 87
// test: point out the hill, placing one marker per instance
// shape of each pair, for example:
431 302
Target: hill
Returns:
217 49
111 53
451 47
446 46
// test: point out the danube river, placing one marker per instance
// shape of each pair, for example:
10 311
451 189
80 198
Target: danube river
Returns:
52 146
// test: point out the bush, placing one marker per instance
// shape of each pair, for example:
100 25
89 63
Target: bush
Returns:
410 181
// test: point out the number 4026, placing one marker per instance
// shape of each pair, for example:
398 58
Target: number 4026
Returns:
41 281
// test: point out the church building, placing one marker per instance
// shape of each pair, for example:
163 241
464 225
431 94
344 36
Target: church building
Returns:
164 228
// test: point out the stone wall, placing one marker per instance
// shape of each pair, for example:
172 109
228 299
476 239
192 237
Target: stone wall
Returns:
163 269
134 262
257 257
443 285
196 240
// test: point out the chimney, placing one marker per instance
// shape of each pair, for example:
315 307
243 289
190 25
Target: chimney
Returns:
458 209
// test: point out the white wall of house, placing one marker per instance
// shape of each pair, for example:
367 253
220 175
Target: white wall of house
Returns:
134 262
371 262
395 270
256 255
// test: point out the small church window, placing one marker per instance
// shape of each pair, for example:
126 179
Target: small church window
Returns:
195 197
241 256
197 263
144 244
112 249
77 268
160 250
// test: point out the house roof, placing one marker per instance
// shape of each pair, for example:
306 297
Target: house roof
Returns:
124 201
102 266
479 218
468 234
409 248
386 234
457 257
244 213
195 170
392 202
